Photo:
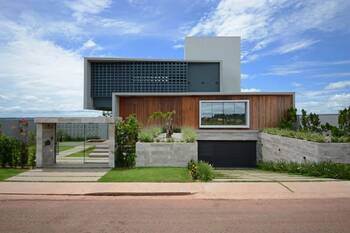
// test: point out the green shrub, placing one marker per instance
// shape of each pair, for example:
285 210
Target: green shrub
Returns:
189 135
32 156
205 171
310 122
126 134
290 120
344 121
200 170
304 135
146 136
322 169
149 134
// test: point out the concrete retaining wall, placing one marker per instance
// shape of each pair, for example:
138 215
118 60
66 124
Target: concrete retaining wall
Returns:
165 154
274 148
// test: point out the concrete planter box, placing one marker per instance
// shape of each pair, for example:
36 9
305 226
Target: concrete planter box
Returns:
165 154
274 148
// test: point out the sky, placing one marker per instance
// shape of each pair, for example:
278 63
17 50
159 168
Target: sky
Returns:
302 46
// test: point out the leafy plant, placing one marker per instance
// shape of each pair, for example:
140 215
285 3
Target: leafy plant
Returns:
32 156
290 120
149 134
205 171
310 122
126 134
200 170
344 120
166 120
189 135
304 135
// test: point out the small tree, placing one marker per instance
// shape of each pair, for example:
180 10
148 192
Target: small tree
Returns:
344 120
166 119
289 121
126 133
310 122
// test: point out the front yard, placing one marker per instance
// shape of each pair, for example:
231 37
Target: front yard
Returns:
150 174
9 172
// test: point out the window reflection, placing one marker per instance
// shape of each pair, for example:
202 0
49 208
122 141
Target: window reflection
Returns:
223 113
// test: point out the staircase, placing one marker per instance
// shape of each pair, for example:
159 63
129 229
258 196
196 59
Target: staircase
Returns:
101 150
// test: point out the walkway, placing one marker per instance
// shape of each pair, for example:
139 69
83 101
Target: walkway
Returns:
243 190
60 175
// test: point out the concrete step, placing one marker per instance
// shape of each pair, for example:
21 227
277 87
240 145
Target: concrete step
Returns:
100 150
98 155
102 146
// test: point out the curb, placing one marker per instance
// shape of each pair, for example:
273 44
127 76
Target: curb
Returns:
101 194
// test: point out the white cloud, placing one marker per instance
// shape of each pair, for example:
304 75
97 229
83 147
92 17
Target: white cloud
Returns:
250 90
296 84
291 47
178 46
308 66
89 44
81 7
322 101
264 22
38 74
338 85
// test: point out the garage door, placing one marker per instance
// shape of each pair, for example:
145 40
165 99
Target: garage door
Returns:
228 153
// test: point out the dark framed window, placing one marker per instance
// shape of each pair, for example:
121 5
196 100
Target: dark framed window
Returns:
224 114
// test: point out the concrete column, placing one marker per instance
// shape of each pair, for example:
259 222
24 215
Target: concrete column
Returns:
45 144
39 145
111 131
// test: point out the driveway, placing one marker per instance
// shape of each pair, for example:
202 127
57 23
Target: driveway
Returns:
256 175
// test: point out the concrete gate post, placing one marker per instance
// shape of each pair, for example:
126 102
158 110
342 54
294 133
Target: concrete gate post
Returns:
111 134
45 144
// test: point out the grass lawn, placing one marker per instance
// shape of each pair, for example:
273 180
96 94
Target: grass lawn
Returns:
63 147
8 172
81 153
149 174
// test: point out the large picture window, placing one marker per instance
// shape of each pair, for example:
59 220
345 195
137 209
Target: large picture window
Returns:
224 114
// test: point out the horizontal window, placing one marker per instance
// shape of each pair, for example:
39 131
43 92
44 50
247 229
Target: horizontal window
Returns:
224 114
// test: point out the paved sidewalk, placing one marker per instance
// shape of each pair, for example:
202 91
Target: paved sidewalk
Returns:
60 175
244 190
256 175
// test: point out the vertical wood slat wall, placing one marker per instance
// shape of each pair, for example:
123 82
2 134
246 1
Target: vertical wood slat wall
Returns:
265 110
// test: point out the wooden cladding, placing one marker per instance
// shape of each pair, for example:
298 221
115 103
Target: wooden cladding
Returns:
265 110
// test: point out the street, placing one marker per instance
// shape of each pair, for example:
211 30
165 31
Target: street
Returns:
115 214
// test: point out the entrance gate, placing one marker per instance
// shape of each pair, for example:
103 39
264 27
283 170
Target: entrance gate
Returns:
59 148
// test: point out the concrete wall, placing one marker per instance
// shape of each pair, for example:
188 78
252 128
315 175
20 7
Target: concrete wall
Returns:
226 49
274 148
228 135
10 127
165 154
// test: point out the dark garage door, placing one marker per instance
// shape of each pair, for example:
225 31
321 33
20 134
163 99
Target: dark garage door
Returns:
228 153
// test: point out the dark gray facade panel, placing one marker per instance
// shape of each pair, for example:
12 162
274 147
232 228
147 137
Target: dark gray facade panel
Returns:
204 77
108 77
103 103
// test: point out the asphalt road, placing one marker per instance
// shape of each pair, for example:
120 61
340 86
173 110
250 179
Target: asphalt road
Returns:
164 215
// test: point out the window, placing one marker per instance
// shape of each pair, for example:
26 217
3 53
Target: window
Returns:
224 114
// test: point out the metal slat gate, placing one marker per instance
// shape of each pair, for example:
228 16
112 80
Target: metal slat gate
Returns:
228 153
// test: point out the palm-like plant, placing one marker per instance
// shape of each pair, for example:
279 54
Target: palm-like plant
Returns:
166 120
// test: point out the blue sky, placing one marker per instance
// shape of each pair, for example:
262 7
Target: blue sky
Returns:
301 46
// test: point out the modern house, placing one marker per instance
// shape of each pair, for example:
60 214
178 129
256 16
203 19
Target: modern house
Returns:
203 89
